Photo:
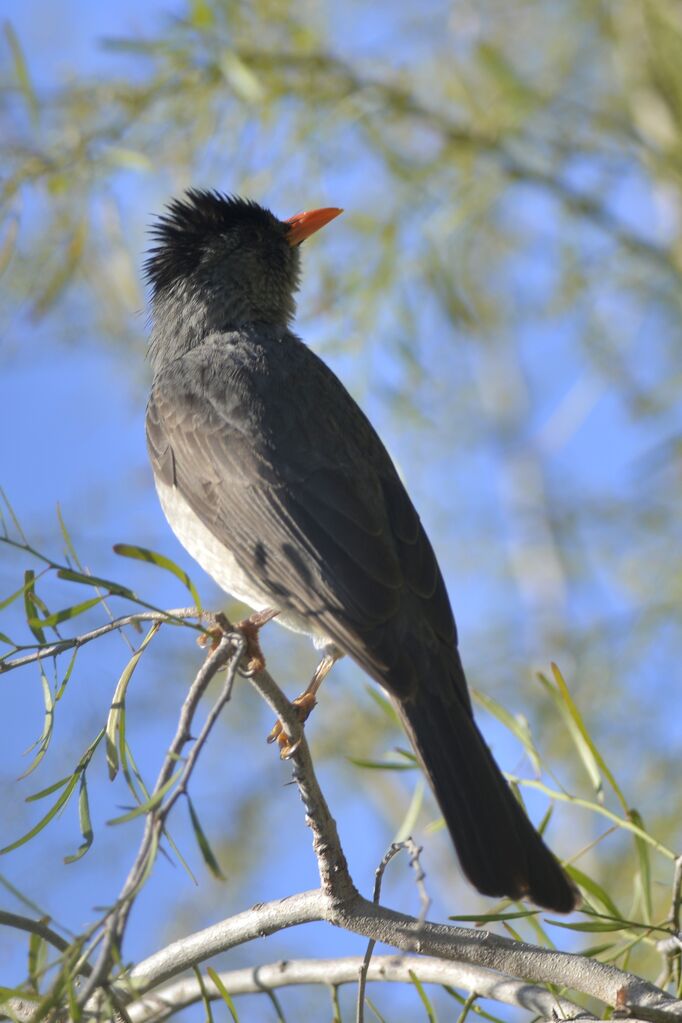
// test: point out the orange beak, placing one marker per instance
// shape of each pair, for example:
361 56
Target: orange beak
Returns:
305 224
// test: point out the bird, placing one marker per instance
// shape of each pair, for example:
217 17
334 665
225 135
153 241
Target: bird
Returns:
277 484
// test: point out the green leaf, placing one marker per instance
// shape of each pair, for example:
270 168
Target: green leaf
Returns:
410 819
30 605
148 804
127 550
597 808
592 925
383 703
85 823
117 709
430 1012
54 787
204 995
93 580
70 549
517 726
223 992
29 578
48 723
584 752
21 70
580 724
594 889
206 851
644 867
44 821
374 1009
13 516
37 957
67 675
68 784
381 765
490 918
66 613
595 950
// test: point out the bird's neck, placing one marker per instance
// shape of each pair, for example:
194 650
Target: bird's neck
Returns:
183 317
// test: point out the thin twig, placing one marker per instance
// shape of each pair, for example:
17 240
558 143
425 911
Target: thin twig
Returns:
395 848
62 645
230 648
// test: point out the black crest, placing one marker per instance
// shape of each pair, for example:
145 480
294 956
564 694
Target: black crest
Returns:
181 234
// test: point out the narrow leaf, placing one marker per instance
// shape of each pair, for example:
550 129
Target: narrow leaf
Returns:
148 804
644 867
206 851
517 726
48 722
21 69
54 787
410 819
591 925
580 724
67 676
37 956
490 918
117 708
204 995
430 1012
66 613
28 584
85 823
594 889
70 549
127 550
93 580
223 992
30 608
381 765
44 821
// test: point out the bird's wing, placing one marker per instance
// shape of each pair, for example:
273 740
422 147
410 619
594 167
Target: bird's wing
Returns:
299 488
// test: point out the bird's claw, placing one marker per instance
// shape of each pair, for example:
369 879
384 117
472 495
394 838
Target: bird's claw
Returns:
303 706
249 628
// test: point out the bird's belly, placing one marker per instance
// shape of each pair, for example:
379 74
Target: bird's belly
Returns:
215 558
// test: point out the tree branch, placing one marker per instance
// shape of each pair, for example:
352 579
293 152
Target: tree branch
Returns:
172 998
62 645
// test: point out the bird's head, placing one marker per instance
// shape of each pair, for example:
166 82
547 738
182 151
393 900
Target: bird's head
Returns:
231 253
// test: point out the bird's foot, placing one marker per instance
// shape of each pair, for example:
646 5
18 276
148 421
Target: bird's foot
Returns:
213 635
249 628
303 706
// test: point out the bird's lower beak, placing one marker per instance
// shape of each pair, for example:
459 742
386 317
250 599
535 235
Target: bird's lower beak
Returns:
304 224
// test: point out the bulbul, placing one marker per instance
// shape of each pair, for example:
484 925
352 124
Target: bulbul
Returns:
277 484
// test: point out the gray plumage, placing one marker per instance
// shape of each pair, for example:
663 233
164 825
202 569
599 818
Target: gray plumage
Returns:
280 487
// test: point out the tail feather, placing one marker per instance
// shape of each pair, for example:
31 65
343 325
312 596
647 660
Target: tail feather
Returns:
500 851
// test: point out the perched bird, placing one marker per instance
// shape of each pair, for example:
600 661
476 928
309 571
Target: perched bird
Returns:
275 481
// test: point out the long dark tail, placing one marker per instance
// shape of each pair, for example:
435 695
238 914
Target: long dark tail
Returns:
500 851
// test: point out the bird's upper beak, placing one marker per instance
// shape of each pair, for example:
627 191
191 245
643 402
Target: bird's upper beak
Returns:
304 224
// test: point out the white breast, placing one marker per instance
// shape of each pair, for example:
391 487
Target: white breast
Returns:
215 558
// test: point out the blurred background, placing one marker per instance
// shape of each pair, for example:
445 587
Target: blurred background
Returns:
502 296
